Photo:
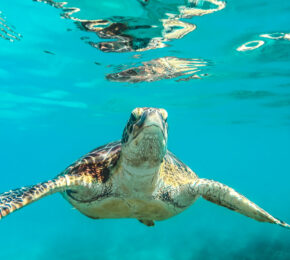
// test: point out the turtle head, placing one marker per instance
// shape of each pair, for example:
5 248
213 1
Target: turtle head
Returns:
144 140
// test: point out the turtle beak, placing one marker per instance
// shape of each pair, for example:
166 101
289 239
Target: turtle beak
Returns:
150 122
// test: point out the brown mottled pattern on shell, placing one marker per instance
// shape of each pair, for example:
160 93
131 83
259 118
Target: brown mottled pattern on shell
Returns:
175 175
96 165
174 172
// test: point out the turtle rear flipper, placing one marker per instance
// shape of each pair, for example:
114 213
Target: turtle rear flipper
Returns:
12 200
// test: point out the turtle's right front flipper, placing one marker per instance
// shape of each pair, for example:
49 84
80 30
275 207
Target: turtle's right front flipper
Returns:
225 196
18 198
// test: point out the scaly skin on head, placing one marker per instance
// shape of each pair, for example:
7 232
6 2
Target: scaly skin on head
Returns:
144 140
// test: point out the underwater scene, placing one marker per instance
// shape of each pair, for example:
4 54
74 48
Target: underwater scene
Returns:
72 72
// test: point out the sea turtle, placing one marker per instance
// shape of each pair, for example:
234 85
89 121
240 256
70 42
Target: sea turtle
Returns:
136 177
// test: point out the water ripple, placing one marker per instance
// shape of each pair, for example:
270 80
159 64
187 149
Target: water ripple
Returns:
268 40
7 31
252 45
276 36
159 24
162 68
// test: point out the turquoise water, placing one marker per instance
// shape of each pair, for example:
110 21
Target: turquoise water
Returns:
68 84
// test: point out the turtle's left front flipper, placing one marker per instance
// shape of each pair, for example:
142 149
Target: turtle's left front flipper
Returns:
18 198
227 197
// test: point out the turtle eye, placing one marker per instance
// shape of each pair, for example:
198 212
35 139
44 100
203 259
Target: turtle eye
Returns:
133 117
136 113
164 114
